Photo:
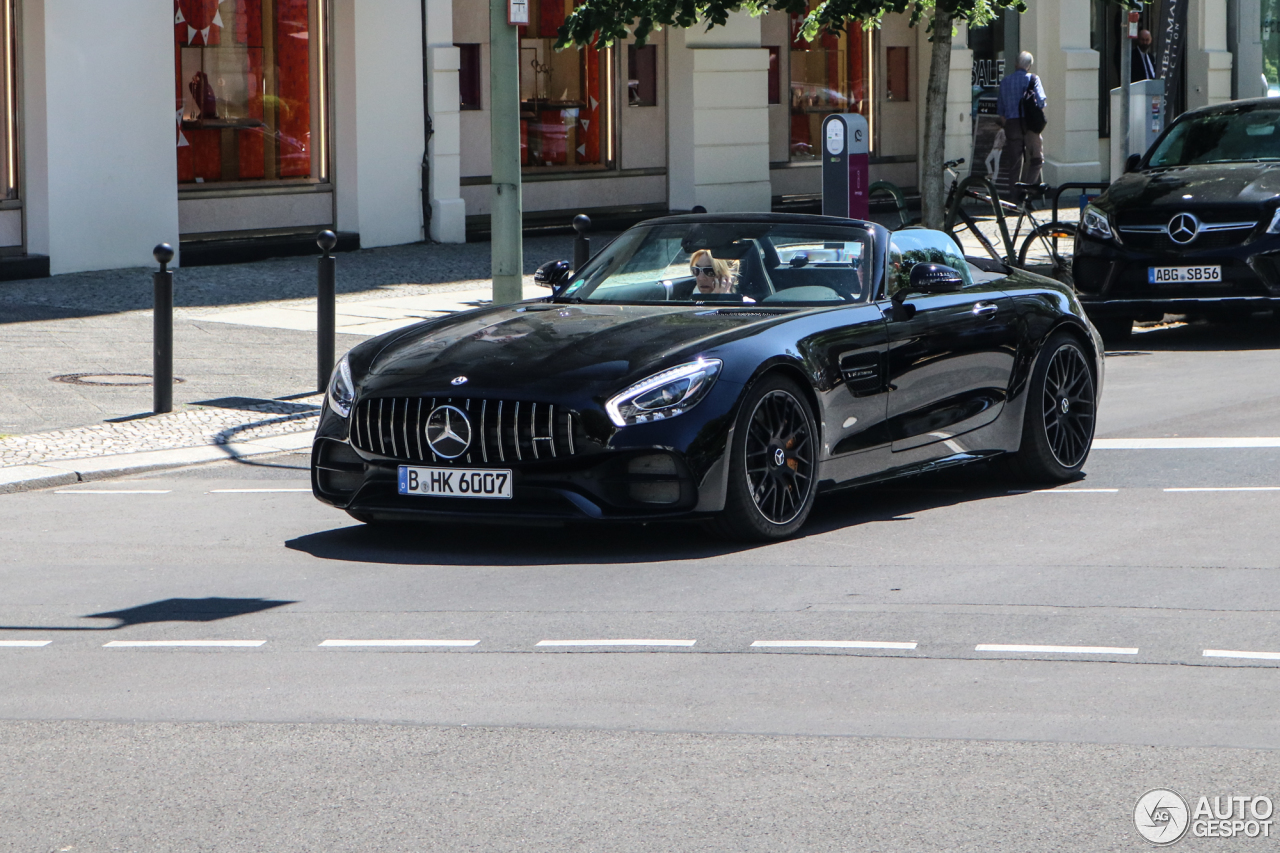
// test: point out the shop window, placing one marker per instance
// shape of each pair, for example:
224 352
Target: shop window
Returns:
248 76
1270 49
775 75
8 105
831 74
642 75
566 120
468 76
897 73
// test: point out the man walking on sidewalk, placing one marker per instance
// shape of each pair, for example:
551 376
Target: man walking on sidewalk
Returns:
1021 142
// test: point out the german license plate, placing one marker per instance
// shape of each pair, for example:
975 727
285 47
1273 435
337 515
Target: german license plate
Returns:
1182 275
455 482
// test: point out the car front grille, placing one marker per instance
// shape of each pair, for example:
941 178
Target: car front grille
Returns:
1148 241
502 431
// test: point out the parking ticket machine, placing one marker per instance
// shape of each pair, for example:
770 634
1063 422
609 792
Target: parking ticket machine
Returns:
845 166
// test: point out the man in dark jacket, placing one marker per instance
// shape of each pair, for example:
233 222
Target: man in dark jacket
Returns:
1143 66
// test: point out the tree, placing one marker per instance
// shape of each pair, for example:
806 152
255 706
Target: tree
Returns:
612 20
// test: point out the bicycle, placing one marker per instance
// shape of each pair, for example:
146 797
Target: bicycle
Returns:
1049 244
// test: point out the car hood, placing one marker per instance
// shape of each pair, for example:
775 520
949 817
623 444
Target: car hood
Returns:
540 349
1228 184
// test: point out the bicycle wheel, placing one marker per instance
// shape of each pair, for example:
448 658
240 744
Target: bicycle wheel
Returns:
1048 250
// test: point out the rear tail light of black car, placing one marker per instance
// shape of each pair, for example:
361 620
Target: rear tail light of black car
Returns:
664 395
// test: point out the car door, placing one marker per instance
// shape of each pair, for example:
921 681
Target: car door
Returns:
950 355
855 402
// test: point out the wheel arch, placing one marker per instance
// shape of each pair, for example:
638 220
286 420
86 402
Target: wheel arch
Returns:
795 370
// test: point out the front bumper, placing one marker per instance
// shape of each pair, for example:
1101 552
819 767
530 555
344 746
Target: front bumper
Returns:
1111 280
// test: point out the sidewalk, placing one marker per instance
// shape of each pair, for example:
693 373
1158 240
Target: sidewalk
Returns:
75 395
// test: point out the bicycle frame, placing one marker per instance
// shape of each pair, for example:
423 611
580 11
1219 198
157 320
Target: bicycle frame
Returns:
954 211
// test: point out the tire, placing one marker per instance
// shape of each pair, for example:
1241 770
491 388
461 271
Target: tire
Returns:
1040 254
767 499
1114 330
1060 416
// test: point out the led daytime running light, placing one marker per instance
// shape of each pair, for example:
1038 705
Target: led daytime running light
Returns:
342 391
706 368
1274 227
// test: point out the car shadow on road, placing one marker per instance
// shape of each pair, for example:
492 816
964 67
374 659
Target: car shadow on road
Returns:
607 544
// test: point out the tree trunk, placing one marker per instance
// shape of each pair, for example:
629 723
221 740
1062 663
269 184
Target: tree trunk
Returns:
932 191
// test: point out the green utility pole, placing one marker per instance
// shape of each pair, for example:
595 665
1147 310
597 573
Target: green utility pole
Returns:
507 251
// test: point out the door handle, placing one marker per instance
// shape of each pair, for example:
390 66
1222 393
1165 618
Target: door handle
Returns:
985 310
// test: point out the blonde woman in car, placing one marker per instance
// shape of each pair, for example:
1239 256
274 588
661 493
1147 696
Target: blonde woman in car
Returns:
711 275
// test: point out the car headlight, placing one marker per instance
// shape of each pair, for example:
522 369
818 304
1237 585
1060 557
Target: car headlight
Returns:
342 391
1095 223
664 395
1274 227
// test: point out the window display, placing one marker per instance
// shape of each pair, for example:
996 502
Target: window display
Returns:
831 74
248 76
565 102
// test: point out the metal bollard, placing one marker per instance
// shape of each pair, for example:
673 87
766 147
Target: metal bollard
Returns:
326 290
581 243
162 333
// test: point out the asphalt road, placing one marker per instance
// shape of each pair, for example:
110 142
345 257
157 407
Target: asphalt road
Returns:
945 664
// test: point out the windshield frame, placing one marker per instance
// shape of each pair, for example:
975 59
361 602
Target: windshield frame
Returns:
581 286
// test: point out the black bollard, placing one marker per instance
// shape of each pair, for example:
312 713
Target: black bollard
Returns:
581 243
162 333
326 290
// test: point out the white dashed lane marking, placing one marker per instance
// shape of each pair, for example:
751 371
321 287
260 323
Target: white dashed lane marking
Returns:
112 491
366 644
1182 443
1224 653
1226 489
24 644
831 644
189 644
616 642
1068 650
253 491
1062 491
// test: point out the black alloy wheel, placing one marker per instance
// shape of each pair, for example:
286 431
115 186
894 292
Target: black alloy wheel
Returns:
1058 424
773 463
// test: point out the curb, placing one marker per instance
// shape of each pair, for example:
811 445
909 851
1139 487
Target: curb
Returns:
21 478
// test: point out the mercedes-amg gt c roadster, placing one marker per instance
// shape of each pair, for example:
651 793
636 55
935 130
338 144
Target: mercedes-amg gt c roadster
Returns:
722 368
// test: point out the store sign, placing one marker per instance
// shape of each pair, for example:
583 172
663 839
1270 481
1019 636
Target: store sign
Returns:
1170 47
518 12
846 166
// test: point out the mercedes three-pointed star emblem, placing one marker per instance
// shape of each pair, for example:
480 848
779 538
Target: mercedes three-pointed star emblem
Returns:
1183 228
448 431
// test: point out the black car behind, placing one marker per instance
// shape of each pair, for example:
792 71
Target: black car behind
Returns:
1193 227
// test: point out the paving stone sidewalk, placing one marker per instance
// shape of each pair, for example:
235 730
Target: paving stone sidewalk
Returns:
244 346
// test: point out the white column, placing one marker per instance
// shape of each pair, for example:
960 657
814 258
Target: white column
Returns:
1057 33
1208 60
959 139
99 133
378 122
444 151
718 118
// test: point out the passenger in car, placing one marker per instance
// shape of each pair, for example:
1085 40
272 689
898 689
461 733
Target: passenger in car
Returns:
712 275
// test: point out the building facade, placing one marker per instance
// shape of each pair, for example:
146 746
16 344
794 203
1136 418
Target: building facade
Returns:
219 124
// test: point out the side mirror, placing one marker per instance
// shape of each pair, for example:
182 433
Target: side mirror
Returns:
553 274
1131 164
931 278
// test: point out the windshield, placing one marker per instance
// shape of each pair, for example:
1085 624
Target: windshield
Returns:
1233 137
733 262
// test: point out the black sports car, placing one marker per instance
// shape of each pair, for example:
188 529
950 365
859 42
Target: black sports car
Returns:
1193 227
724 368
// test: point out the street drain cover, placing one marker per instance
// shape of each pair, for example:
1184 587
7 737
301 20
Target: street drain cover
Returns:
108 379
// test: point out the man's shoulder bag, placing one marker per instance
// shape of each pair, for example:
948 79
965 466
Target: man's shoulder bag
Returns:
1032 113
